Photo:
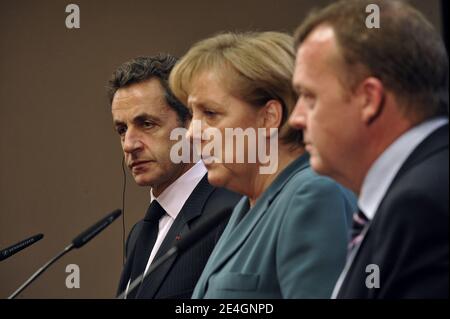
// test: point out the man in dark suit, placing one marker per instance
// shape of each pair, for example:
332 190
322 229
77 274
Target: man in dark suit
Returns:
146 115
373 83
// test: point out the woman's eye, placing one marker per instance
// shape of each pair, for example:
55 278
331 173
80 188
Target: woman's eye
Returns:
209 113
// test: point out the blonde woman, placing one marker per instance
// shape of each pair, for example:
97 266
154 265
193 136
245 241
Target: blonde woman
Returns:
287 237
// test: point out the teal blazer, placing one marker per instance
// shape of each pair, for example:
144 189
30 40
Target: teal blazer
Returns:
291 244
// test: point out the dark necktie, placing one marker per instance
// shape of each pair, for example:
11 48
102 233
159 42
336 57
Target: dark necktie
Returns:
145 241
359 222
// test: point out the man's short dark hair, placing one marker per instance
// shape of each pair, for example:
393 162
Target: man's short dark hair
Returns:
405 53
145 68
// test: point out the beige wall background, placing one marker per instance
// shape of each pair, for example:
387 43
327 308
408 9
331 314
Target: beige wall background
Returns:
60 163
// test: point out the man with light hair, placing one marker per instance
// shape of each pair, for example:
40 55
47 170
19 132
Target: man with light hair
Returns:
373 107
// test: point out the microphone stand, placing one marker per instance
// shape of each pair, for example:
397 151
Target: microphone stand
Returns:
41 270
187 242
171 252
77 242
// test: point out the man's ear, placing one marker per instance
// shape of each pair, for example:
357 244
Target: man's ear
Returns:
372 94
272 115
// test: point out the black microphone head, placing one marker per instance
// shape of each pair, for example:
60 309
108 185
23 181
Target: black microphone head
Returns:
77 242
95 229
8 252
201 229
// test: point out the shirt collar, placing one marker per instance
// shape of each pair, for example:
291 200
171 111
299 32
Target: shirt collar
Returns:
172 199
385 168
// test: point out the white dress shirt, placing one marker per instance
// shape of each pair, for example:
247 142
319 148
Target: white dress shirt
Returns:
172 199
385 168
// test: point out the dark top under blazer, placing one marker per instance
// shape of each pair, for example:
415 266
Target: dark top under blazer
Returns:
177 277
408 237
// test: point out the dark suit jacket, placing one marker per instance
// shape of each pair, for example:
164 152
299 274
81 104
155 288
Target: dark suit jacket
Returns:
408 237
177 277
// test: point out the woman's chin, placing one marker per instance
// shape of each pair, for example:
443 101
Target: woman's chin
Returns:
216 176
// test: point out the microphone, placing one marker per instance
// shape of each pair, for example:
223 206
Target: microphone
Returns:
77 242
95 229
8 252
189 240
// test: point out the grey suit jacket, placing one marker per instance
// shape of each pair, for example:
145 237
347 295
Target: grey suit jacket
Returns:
291 244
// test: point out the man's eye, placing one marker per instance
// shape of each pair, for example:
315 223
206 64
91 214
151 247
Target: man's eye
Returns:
308 99
310 102
148 124
121 130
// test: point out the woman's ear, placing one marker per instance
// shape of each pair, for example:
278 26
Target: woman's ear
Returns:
272 115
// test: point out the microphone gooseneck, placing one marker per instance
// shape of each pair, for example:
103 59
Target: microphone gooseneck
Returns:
189 240
77 242
40 271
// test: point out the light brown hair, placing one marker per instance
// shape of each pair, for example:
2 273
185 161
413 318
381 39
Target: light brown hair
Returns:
256 67
405 53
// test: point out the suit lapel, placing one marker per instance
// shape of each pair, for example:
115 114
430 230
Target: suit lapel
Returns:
130 250
351 257
126 273
191 210
243 220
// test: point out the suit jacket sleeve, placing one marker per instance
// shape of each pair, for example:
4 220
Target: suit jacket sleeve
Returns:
412 251
312 241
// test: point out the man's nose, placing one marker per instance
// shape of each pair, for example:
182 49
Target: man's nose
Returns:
298 116
132 141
